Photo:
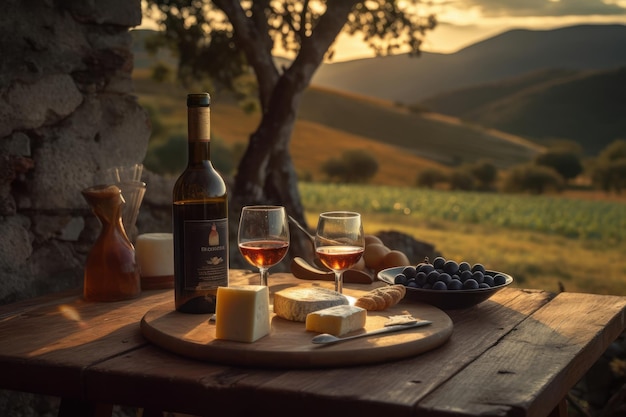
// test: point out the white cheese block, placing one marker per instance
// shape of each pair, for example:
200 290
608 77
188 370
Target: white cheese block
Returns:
296 302
154 253
337 320
242 313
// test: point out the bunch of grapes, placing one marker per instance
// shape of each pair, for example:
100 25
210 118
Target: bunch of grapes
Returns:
444 274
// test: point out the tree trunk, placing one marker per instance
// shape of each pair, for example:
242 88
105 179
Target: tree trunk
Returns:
266 174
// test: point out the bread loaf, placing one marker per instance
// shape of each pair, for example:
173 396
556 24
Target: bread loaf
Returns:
381 298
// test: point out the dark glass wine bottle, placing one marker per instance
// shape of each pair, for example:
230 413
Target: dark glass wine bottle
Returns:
200 218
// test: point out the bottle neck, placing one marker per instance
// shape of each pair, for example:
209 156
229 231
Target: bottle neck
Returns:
199 135
199 152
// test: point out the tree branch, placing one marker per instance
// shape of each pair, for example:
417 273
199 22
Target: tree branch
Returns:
255 43
324 34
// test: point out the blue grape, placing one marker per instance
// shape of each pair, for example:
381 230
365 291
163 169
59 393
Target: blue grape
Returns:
489 280
455 284
445 278
499 279
420 278
400 279
424 267
432 277
478 276
464 266
440 285
451 267
409 271
465 275
470 284
438 262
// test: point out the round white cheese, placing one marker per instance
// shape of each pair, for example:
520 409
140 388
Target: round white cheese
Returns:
296 302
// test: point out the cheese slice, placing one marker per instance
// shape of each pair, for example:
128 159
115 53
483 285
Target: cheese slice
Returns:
296 302
242 313
337 320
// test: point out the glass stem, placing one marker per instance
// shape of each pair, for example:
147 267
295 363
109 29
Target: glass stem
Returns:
264 272
339 281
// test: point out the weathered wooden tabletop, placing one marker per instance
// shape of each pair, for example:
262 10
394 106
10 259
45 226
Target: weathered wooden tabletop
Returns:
516 354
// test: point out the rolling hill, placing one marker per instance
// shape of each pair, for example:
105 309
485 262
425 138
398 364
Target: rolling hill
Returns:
584 106
403 79
330 123
440 138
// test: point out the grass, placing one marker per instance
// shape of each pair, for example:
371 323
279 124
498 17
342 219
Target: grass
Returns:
551 261
534 259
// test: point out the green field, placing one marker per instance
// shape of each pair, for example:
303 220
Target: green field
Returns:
545 242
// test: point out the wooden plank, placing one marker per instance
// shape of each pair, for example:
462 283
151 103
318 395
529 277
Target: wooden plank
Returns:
45 349
152 377
531 369
9 310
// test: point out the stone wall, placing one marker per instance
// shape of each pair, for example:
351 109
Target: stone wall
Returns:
67 114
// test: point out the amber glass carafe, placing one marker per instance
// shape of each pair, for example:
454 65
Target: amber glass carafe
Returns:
111 273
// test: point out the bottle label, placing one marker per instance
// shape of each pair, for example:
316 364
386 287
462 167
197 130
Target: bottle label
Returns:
206 254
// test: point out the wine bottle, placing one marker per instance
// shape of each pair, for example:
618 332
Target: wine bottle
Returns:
200 218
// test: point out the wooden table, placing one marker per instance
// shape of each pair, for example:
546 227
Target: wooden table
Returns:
516 354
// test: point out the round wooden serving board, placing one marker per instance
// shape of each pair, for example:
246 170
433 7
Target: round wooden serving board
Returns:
289 345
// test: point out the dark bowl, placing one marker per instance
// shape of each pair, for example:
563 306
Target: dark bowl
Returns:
445 299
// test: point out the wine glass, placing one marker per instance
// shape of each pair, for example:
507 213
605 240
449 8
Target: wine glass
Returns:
263 237
339 242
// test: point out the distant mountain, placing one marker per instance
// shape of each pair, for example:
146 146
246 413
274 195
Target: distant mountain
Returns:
585 106
514 53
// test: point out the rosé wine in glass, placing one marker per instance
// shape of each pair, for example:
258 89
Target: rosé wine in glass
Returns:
339 242
263 237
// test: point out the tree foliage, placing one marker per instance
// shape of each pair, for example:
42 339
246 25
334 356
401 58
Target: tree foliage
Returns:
430 177
462 179
564 161
485 173
535 179
608 171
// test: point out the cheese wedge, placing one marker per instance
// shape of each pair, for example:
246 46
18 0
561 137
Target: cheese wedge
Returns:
296 302
337 320
242 313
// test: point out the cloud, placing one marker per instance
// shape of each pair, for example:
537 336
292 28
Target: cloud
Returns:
517 8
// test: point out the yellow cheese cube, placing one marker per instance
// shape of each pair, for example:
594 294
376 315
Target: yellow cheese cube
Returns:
242 313
337 320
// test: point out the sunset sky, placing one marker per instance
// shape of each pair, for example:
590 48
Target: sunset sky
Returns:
463 22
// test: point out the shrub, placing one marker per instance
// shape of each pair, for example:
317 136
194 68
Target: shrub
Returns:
430 177
535 179
610 175
354 166
566 162
462 179
485 173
